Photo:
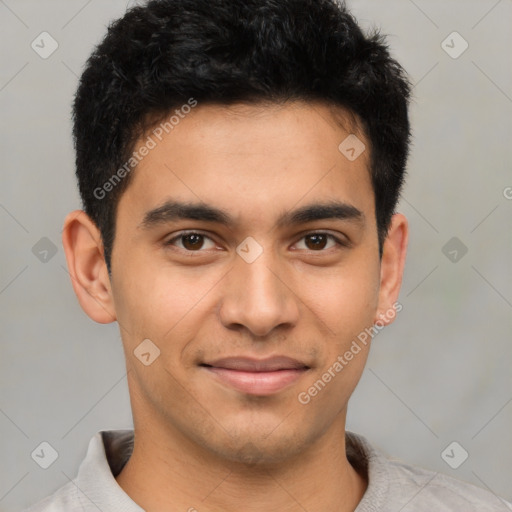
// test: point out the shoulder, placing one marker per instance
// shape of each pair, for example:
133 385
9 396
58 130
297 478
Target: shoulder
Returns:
426 490
64 499
394 485
95 487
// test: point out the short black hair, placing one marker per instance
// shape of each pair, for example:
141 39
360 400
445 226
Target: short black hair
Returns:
166 53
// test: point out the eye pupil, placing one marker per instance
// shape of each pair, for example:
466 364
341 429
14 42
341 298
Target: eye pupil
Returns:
192 241
318 241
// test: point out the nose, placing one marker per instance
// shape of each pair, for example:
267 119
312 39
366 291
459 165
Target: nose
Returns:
259 296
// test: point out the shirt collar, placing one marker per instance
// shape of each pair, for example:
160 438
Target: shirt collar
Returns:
108 452
96 486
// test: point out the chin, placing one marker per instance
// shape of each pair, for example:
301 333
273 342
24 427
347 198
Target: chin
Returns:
258 454
251 448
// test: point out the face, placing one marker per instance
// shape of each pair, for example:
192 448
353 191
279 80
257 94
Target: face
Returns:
246 251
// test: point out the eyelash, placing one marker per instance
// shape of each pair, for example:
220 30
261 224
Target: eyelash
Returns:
339 243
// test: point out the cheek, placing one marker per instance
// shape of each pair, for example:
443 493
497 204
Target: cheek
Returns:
155 301
345 305
344 299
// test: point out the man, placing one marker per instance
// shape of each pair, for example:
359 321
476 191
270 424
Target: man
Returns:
240 164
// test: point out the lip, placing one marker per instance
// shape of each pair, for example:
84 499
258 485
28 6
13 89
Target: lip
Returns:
260 377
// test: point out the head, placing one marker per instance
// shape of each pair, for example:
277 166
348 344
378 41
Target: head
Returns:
224 217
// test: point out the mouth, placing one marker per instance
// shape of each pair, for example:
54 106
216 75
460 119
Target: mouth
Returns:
260 377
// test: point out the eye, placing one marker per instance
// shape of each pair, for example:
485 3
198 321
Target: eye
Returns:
192 241
320 241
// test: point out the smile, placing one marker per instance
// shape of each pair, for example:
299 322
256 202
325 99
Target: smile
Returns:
257 377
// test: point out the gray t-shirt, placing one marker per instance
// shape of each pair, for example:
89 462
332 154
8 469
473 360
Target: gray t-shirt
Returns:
392 485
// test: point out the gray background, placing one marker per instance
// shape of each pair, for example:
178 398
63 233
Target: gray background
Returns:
440 373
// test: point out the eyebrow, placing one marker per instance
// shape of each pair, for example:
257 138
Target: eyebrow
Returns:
176 210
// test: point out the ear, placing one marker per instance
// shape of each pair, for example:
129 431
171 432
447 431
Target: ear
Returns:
391 269
86 264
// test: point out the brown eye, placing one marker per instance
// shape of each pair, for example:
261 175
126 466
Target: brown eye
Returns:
319 242
193 241
316 241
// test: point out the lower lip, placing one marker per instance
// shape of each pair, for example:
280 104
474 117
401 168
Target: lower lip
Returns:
258 383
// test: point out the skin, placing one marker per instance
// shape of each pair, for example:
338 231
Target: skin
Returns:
200 443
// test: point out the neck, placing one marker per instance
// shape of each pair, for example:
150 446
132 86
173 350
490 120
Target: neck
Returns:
170 472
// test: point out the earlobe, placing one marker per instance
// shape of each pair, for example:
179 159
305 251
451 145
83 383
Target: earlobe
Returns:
392 268
87 268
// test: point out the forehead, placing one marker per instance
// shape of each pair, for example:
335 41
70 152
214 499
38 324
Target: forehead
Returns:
253 158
